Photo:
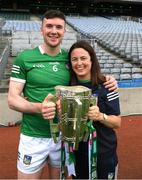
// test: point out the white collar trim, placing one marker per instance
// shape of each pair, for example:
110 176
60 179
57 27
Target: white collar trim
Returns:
42 51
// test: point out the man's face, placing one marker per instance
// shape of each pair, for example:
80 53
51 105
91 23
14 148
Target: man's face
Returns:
53 31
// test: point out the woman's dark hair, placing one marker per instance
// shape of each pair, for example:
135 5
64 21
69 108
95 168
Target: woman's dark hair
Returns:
96 75
50 14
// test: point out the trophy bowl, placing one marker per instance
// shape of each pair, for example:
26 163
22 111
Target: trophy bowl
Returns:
75 102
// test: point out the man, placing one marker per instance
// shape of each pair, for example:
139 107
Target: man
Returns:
35 73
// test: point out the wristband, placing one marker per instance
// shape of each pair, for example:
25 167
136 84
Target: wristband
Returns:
105 117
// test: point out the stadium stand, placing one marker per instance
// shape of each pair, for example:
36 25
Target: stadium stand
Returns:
120 42
4 55
122 37
15 15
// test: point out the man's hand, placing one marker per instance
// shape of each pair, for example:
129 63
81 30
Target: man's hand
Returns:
111 83
48 107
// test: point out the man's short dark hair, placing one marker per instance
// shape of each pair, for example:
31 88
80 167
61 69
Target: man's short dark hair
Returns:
49 14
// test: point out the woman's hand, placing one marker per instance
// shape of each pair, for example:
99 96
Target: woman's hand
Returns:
111 121
95 114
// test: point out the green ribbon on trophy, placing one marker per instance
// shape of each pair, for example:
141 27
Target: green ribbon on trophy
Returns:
54 130
62 169
92 144
92 149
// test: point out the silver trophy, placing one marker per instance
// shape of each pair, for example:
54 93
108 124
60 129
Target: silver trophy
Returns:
75 102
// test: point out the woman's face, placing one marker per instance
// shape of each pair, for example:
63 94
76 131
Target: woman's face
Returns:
81 63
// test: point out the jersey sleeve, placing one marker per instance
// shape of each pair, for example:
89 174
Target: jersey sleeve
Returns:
18 72
109 102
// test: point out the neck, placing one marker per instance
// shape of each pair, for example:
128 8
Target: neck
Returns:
84 78
52 51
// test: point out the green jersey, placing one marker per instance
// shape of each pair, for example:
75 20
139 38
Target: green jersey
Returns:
40 73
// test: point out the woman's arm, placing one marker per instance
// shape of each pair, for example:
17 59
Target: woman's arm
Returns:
111 121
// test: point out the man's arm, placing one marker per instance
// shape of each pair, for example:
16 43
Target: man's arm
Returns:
111 83
17 102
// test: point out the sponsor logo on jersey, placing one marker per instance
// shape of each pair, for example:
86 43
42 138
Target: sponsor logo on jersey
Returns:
54 63
38 66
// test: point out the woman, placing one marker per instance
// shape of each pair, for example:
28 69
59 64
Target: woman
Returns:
85 70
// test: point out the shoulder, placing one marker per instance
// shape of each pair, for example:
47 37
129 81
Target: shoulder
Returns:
102 89
63 56
64 52
27 54
108 101
105 92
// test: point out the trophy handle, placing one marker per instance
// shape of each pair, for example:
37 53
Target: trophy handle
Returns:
54 128
93 100
78 122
